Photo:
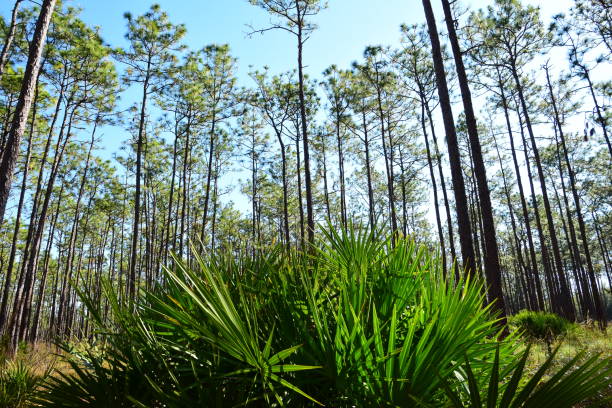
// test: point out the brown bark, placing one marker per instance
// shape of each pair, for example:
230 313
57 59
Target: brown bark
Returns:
491 261
463 219
26 96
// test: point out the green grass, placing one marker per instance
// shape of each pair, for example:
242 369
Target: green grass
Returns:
22 373
581 338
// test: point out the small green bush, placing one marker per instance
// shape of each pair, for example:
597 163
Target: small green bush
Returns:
19 377
17 384
541 325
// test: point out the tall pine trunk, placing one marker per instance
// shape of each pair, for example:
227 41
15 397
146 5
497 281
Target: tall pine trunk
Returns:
491 261
13 251
581 224
136 221
461 203
565 295
434 187
304 123
532 253
22 110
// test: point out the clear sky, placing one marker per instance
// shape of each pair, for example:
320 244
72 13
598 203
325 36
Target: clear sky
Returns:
346 27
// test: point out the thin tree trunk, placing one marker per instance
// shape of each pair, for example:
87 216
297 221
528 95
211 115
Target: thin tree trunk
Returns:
136 221
215 201
343 215
32 227
11 260
32 263
566 301
285 193
601 118
22 110
43 280
166 240
604 250
403 186
299 188
435 189
8 41
304 123
75 226
449 219
366 143
253 190
325 185
211 149
388 160
553 295
186 167
523 269
581 225
532 252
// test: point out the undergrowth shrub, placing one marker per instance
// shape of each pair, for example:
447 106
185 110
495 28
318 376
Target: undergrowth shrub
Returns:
358 321
19 380
543 326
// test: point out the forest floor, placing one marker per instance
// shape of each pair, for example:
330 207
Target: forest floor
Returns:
43 359
587 339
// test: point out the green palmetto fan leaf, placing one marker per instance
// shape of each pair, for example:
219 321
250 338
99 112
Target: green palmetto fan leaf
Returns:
396 322
231 327
569 385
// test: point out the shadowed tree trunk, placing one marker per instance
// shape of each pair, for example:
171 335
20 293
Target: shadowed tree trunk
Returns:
491 260
463 219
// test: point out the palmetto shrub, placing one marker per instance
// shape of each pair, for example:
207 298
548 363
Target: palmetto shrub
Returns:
18 377
540 325
355 322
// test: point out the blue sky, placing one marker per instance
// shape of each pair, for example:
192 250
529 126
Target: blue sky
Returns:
346 27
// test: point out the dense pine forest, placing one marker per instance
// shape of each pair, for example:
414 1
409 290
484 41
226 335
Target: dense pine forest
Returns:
383 224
